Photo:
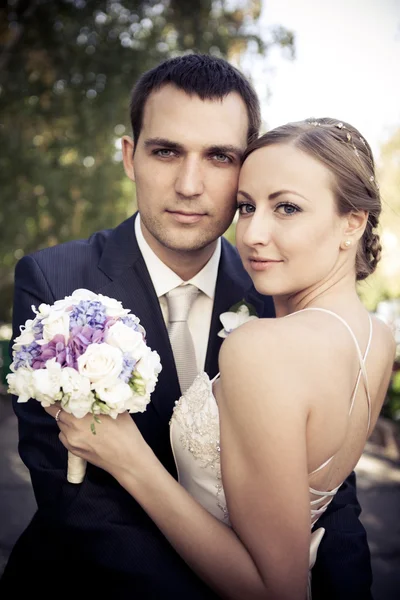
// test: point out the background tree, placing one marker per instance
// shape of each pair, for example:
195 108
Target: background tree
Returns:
66 71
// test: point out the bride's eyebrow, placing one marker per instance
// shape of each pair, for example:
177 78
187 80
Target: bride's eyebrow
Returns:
272 196
245 194
275 195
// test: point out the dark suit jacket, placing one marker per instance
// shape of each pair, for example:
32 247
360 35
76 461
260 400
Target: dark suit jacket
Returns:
94 536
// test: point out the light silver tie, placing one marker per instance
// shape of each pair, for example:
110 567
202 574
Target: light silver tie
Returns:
180 301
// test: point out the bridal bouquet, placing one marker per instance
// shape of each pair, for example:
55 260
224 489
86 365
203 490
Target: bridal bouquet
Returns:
89 354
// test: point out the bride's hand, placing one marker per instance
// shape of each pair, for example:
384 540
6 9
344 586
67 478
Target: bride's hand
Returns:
117 445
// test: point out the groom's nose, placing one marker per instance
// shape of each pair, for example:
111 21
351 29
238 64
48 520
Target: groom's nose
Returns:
189 181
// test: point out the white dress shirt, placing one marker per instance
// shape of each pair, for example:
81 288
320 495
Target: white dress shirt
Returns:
165 280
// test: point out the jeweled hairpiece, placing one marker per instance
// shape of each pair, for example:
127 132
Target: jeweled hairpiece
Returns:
349 137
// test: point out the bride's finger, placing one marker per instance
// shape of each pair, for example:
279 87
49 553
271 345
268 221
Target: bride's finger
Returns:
53 410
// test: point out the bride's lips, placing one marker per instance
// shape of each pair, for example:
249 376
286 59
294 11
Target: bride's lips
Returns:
186 217
262 264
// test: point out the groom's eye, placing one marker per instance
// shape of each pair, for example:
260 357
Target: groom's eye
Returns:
222 158
164 152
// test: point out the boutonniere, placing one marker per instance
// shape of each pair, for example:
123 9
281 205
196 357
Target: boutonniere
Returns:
237 315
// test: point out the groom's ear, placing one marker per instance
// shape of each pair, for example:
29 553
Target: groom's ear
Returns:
128 147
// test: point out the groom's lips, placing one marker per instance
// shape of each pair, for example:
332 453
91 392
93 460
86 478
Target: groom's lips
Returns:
186 217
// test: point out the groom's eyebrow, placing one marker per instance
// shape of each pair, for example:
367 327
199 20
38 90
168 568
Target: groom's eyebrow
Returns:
150 142
215 149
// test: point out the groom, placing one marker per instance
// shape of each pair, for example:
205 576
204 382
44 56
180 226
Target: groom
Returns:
192 118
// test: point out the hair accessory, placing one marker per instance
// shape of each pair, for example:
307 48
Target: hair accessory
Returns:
350 140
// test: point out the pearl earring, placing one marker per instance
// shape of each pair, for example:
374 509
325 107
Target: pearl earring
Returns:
347 243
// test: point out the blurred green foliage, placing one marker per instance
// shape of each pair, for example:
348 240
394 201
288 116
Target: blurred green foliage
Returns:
67 68
384 284
391 407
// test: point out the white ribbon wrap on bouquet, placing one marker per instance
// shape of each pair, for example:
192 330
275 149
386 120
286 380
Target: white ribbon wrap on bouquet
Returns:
76 468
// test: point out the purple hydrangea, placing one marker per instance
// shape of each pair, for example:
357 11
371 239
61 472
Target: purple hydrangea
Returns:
88 312
67 354
37 330
26 355
81 338
127 367
131 322
55 349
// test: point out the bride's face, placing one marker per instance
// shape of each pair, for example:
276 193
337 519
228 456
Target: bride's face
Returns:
289 232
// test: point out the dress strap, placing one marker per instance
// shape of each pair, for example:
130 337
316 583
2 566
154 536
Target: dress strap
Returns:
214 378
361 357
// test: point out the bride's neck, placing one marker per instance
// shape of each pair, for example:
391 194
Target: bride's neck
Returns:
332 294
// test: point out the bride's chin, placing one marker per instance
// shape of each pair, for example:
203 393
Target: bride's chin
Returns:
268 289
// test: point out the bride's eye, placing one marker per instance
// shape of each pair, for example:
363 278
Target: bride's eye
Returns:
287 208
245 208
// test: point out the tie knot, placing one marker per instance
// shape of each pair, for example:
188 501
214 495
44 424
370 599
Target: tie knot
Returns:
180 301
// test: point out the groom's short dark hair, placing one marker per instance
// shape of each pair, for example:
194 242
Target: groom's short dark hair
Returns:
206 76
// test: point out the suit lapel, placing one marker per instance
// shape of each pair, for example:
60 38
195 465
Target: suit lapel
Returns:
131 284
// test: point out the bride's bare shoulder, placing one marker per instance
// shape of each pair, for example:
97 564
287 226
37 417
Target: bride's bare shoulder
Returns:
384 340
279 337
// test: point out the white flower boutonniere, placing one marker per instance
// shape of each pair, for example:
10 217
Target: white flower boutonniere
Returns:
237 315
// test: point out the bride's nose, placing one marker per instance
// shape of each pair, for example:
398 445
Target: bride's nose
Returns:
257 231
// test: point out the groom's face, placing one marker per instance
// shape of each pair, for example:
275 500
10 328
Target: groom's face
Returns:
186 167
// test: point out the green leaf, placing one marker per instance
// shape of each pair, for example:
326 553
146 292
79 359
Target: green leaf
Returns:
251 308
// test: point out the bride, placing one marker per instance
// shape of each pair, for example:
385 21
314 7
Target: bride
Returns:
262 449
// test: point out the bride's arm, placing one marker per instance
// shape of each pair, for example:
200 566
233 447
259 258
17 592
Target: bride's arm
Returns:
264 474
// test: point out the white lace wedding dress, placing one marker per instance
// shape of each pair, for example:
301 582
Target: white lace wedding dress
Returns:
195 442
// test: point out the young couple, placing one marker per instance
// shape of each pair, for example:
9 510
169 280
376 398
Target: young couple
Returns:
266 437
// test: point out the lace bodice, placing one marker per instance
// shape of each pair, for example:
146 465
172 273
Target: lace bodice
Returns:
194 430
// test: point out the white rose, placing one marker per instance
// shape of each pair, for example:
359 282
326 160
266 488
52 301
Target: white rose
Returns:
83 294
113 307
116 396
64 304
149 365
101 363
148 369
26 336
57 323
47 383
75 298
20 384
138 403
126 339
77 398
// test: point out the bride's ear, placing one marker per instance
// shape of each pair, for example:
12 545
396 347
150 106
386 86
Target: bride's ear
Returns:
128 147
355 224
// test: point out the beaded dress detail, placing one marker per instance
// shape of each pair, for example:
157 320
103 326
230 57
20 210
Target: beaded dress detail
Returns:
195 444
